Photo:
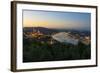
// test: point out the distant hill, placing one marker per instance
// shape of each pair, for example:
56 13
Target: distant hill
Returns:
41 29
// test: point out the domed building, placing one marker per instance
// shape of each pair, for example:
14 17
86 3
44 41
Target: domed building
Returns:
65 38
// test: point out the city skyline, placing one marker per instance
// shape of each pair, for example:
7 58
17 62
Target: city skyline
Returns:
56 19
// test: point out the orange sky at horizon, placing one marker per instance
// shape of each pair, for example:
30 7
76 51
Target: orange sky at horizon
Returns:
41 23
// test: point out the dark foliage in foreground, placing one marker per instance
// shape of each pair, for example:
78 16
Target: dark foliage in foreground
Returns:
34 51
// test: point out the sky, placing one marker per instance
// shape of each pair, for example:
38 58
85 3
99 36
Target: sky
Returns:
57 19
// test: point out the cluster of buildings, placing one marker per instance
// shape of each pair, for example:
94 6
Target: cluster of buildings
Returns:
40 37
71 39
65 37
86 40
33 34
